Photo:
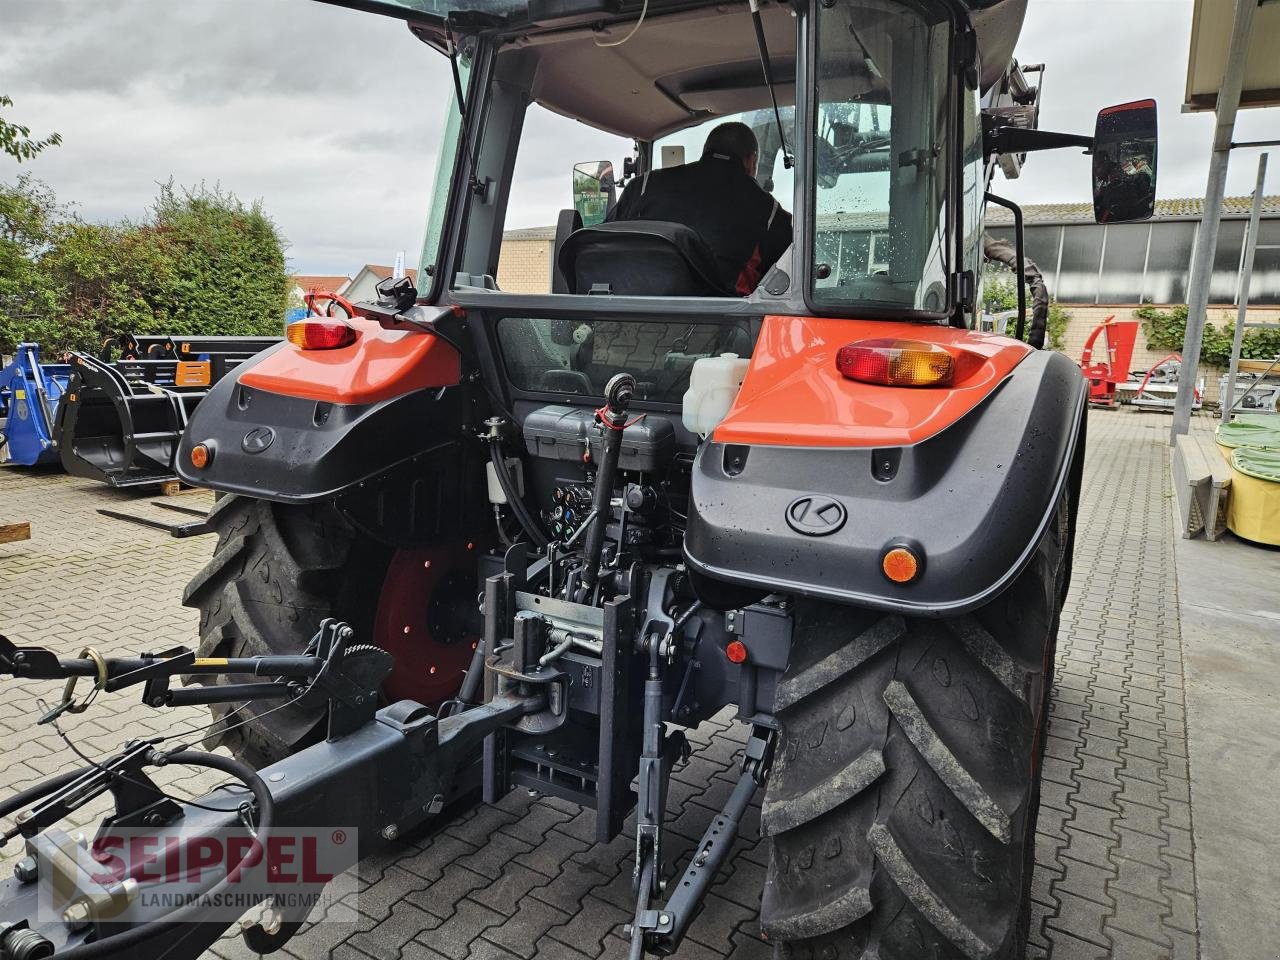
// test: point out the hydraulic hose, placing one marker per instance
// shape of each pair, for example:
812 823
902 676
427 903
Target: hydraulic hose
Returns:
191 913
527 523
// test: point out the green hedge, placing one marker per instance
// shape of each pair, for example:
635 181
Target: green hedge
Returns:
200 262
1165 330
999 293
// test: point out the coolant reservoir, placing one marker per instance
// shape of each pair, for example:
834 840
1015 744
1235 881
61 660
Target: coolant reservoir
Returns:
713 385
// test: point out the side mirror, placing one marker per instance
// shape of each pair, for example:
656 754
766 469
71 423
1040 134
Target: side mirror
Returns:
1124 163
594 191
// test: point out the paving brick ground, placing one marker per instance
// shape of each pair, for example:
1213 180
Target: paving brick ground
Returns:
1114 862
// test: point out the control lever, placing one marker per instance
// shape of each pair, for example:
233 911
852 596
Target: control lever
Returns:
619 392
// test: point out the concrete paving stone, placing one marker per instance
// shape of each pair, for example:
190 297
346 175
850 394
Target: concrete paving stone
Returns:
1096 792
1061 749
1096 820
521 933
454 938
569 887
441 898
1081 919
533 826
1052 822
1181 876
378 898
509 891
491 859
1141 847
1088 847
1140 879
549 857
436 856
1182 913
1139 917
1179 842
718 921
591 922
1084 880
1059 771
1056 795
386 940
1099 768
1142 818
744 947
1129 947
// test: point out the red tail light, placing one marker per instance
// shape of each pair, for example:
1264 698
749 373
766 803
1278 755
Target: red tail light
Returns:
897 363
320 333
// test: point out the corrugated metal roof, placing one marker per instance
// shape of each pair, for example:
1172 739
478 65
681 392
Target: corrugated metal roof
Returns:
530 233
1170 209
1174 208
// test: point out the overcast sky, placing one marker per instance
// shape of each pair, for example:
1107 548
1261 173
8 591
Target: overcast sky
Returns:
331 117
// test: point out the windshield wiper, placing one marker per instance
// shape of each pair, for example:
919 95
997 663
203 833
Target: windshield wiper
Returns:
788 161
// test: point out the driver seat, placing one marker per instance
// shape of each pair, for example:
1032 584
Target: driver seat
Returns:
646 258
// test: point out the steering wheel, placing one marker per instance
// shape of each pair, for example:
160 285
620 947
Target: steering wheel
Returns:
313 297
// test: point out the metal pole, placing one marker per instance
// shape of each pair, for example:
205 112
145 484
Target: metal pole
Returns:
1202 266
1228 400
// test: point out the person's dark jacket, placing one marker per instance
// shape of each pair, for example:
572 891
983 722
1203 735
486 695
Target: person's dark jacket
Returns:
745 228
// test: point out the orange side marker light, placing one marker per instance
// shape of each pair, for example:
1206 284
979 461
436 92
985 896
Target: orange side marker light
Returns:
900 565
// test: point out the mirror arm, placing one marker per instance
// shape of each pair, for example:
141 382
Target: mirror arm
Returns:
1006 139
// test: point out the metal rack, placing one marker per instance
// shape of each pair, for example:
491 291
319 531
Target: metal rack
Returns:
1229 402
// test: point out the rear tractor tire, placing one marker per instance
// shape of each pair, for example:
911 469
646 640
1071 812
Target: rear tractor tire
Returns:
278 570
901 807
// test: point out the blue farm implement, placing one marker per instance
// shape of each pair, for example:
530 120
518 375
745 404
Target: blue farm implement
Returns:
123 417
31 394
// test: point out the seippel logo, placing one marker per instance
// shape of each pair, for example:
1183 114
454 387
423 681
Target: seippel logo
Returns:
816 516
258 439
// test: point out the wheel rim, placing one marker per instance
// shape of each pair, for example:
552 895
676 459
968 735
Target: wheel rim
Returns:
428 668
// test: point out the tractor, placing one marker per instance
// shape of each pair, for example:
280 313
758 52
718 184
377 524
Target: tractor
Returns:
472 541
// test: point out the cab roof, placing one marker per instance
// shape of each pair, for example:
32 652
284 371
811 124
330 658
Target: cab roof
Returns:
690 60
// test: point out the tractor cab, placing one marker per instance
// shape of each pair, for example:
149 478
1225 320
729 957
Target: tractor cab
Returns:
867 117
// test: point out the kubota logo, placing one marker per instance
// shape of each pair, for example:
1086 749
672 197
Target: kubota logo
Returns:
258 439
816 516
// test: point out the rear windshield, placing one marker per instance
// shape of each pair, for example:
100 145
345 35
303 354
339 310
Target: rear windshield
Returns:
579 356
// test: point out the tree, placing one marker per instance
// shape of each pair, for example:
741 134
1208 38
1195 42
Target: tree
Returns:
15 139
30 298
199 262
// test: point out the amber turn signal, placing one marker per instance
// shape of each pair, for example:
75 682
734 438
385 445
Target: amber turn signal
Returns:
201 456
900 564
319 333
896 363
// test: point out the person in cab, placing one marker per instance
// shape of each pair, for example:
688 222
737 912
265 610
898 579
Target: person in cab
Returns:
718 197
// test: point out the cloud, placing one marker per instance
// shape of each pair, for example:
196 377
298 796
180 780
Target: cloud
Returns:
332 117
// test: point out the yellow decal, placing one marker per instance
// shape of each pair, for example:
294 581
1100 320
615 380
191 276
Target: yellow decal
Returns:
209 662
20 394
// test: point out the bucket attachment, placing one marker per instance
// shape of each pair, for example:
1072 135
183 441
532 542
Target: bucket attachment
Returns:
123 419
31 393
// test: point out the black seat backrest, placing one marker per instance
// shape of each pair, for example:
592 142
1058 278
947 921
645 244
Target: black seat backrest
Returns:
645 258
567 224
